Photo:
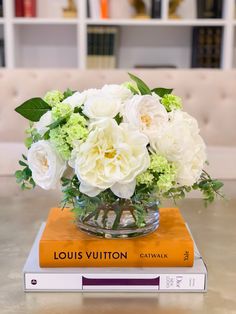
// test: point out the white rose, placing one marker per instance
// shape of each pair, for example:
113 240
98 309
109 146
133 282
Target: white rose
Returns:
145 113
117 91
112 156
78 99
101 106
179 141
45 120
46 165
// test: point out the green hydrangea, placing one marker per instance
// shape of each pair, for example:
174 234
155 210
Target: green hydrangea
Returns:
76 128
61 110
64 136
145 178
53 97
58 137
165 181
158 164
171 102
160 174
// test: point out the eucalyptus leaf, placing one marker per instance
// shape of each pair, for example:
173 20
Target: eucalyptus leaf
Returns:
33 109
143 88
160 91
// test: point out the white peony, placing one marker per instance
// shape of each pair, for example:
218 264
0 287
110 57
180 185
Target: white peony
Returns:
45 120
46 165
101 106
117 91
179 141
78 99
146 113
112 156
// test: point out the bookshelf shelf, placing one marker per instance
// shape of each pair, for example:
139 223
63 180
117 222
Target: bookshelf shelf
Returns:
50 40
161 22
44 21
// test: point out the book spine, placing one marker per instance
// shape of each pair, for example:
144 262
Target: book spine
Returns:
210 9
2 54
30 8
1 8
19 8
104 9
74 254
206 47
153 282
156 9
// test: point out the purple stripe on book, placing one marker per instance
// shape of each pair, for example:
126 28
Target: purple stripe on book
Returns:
120 281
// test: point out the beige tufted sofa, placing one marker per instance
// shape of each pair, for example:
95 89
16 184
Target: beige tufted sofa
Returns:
209 95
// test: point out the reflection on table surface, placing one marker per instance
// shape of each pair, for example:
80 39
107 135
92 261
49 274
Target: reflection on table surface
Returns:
213 228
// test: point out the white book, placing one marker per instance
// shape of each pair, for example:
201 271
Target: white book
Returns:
153 279
95 11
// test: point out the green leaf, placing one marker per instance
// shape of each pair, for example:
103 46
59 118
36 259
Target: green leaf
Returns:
33 109
24 157
56 123
217 185
22 163
160 91
46 135
18 174
143 88
68 93
118 118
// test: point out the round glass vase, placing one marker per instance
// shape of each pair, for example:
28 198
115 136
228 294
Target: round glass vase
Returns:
120 220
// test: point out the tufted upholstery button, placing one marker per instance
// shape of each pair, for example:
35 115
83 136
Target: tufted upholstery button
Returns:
188 96
15 92
223 96
206 120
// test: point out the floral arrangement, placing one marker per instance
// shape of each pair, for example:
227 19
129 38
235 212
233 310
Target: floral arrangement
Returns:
118 143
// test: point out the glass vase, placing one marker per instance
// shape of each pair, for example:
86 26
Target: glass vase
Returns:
123 219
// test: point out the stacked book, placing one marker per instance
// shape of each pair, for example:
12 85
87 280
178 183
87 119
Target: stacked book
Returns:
102 42
2 53
206 47
63 258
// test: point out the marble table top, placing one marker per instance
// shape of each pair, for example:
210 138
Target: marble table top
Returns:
214 230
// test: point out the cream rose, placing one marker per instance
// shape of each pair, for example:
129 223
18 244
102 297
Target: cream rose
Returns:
112 156
46 165
78 99
146 113
45 120
117 91
101 106
179 141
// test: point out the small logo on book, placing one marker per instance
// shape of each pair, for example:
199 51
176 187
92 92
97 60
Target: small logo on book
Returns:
33 282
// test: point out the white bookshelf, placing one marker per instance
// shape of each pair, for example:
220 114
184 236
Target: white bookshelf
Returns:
50 40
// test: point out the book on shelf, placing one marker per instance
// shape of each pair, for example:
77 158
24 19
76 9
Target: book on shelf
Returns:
156 9
1 8
19 8
97 9
110 279
2 53
63 245
25 8
101 47
209 9
206 47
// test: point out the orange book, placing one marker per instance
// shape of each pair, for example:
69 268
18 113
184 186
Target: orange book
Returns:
104 9
63 245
